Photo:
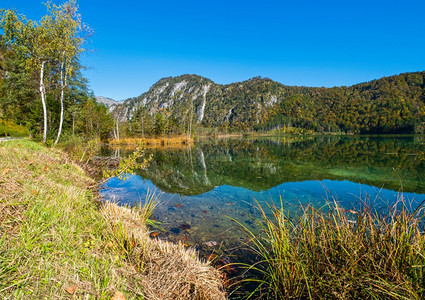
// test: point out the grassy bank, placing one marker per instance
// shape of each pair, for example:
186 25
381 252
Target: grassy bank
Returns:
57 242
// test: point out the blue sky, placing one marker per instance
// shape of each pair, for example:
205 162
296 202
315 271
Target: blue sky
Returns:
299 42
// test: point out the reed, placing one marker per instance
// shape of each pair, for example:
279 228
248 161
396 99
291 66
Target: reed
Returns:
80 149
147 208
154 141
332 253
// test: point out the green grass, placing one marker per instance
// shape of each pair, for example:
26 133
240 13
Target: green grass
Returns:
338 254
53 235
80 149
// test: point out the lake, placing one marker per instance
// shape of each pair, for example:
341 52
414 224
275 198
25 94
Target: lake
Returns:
204 188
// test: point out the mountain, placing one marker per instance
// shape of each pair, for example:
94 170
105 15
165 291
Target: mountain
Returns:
110 103
389 104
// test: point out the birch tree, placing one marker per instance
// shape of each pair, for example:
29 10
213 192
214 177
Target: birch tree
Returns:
68 34
34 44
53 43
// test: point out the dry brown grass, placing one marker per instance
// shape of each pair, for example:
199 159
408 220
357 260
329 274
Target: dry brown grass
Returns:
153 142
171 271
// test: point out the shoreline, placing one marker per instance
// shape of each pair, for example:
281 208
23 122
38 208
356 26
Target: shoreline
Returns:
68 244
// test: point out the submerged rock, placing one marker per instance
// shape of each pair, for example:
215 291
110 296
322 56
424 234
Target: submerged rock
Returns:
185 226
211 243
175 230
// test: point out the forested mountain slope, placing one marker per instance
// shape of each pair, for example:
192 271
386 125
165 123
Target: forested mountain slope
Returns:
389 104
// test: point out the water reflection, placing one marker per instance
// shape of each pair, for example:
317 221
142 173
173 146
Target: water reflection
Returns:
207 185
260 164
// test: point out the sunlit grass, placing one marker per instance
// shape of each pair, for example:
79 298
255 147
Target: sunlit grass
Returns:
331 253
173 141
58 242
9 128
80 149
53 235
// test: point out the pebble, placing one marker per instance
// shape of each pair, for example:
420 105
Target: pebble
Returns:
211 243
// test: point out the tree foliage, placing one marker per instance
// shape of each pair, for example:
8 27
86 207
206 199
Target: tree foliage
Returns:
394 104
40 60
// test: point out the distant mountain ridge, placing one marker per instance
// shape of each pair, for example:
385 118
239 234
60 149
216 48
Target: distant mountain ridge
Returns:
110 103
390 104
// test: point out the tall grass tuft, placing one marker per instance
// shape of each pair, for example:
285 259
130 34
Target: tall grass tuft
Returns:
332 253
80 149
146 209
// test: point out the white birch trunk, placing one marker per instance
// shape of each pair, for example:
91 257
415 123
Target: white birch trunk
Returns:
118 130
142 123
43 100
190 121
63 85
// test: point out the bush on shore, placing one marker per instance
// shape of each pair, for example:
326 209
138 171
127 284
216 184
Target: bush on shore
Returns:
8 128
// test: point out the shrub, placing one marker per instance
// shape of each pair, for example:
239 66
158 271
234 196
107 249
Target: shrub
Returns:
8 128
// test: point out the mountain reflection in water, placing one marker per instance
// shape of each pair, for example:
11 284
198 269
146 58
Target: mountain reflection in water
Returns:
206 185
